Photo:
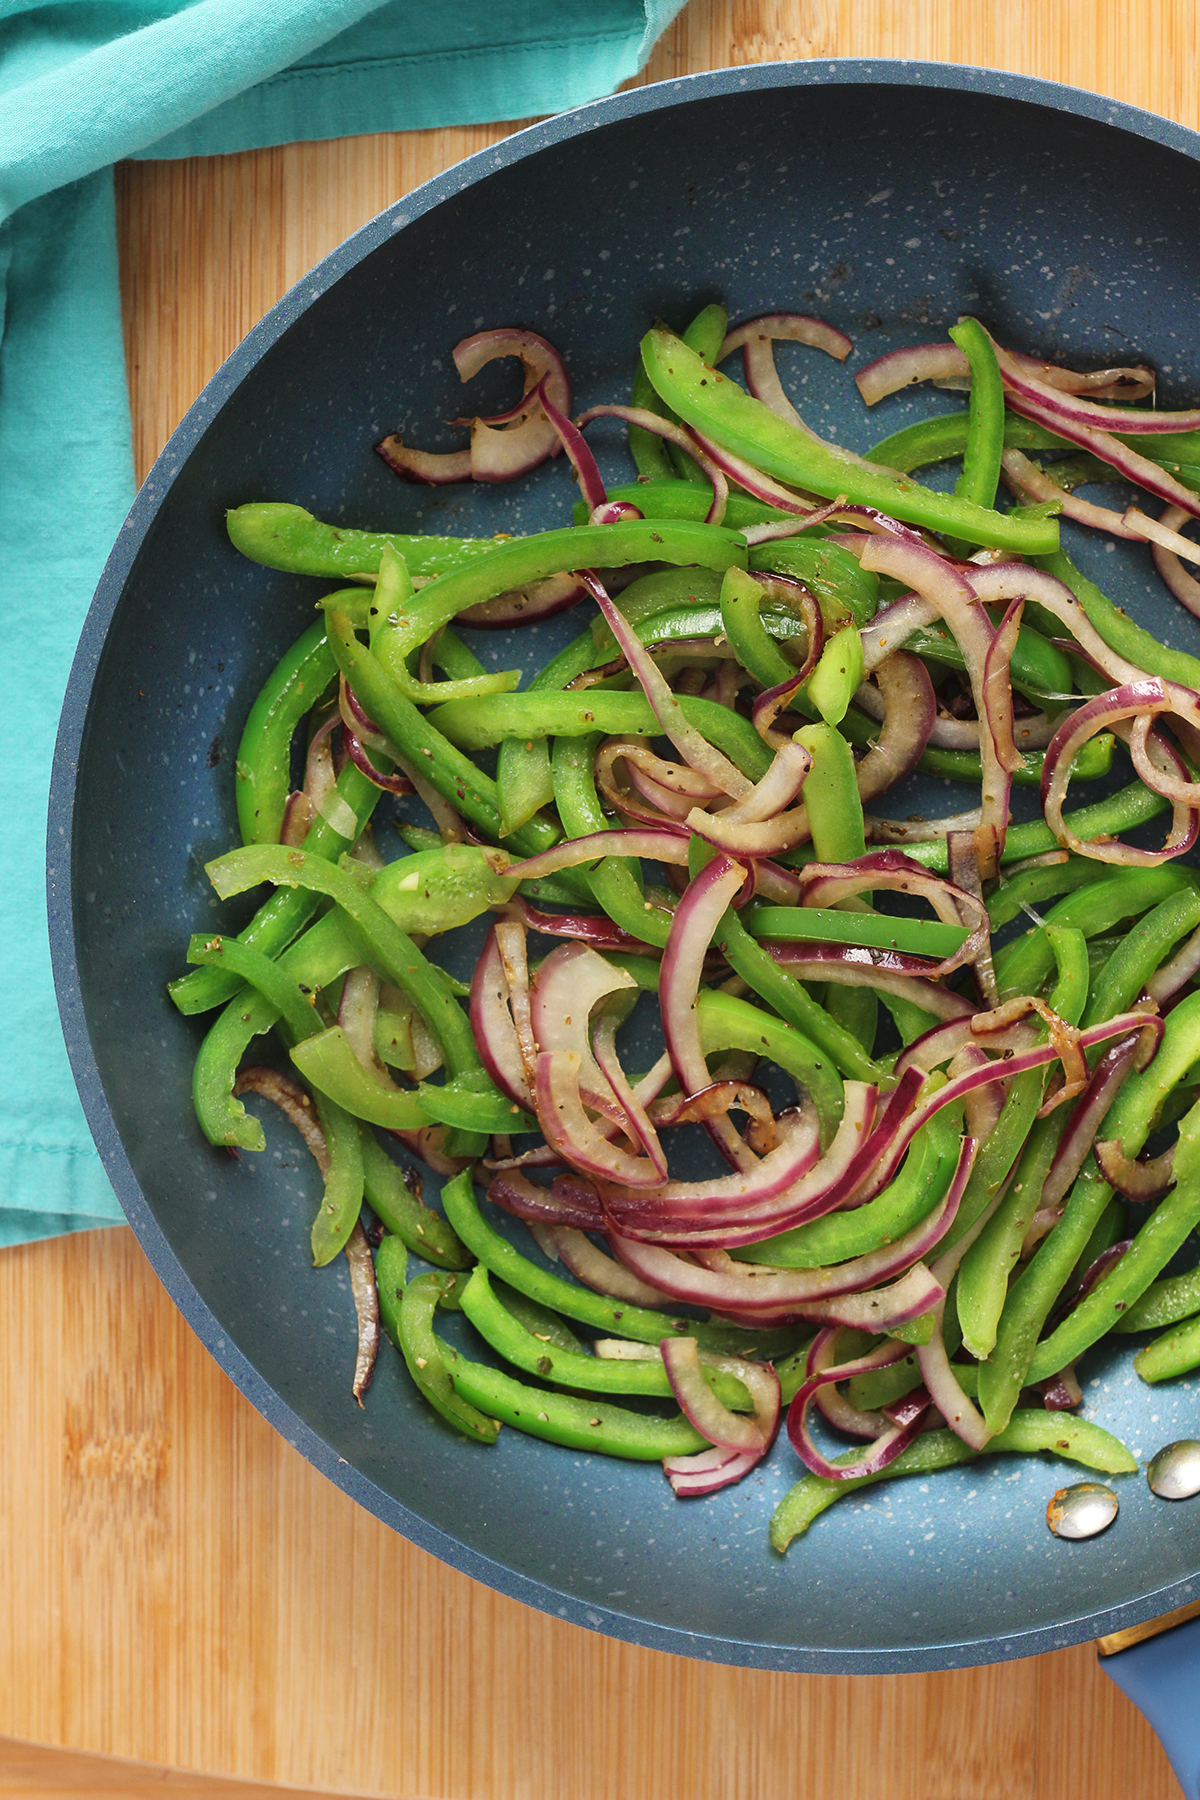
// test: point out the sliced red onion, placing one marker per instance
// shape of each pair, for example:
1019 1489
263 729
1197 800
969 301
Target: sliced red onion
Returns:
666 846
569 985
962 854
838 1411
754 339
1003 582
366 1308
1062 1391
909 713
596 929
921 831
510 941
769 704
492 1025
1145 696
1185 587
671 433
599 1272
515 1193
692 745
430 1145
1024 477
852 966
901 368
434 468
685 1372
908 1407
756 825
708 1470
1134 467
390 784
945 1390
1175 974
983 1106
356 1015
604 1047
570 1131
893 626
824 884
591 485
285 1092
297 817
703 906
784 1181
1024 383
1137 1180
955 598
522 606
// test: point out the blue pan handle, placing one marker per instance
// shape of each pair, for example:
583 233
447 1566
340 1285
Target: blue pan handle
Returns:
1161 1676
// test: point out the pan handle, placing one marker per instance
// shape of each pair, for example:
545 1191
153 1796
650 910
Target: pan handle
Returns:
1162 1677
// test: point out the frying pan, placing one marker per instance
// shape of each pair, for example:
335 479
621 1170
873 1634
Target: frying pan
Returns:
887 198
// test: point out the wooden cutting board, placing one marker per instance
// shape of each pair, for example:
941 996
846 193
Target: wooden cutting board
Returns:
176 1585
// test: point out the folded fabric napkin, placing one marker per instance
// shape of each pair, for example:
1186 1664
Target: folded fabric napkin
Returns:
83 83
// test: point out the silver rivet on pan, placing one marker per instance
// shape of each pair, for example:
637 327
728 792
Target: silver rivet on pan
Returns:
1174 1473
1081 1511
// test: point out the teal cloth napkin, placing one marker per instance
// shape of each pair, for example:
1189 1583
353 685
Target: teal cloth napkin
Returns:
83 83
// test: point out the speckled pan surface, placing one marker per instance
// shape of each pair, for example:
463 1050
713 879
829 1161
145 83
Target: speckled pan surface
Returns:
886 197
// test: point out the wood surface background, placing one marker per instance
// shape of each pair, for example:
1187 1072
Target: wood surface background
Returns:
176 1585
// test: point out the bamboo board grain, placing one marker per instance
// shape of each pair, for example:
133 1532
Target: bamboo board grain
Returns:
176 1585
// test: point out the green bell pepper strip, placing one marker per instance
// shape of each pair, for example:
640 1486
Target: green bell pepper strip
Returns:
1092 763
345 1183
920 1186
614 1318
877 1388
1165 1302
410 1326
998 1154
263 766
562 1419
328 1063
1109 1229
1038 668
543 1324
391 1273
874 931
390 949
658 592
1030 1430
473 1102
650 454
578 1369
1017 1356
668 497
704 335
1032 886
840 585
390 601
286 537
985 1269
985 420
791 1001
721 410
403 1213
1120 813
477 724
277 922
321 955
420 742
838 675
742 600
938 440
729 1023
1165 1231
1024 964
1140 952
837 827
1119 631
296 1007
1176 1352
515 564
616 881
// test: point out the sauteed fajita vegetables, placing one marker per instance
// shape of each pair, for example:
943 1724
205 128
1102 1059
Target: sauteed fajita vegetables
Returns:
987 1024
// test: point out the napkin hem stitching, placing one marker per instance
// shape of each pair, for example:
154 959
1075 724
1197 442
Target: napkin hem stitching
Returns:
366 65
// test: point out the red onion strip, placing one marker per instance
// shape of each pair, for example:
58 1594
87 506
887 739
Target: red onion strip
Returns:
675 434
